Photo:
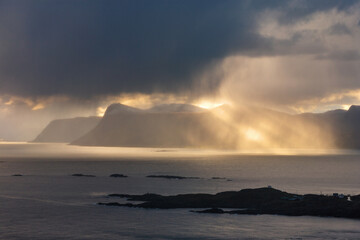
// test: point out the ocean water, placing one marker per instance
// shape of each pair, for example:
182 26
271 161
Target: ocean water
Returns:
48 203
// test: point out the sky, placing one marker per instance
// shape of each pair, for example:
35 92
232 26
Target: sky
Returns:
61 59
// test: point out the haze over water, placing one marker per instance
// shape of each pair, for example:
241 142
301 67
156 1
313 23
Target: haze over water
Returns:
47 203
236 94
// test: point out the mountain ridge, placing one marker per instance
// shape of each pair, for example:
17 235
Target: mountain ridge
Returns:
185 125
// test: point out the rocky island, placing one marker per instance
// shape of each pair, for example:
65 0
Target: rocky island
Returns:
171 177
117 175
82 175
251 201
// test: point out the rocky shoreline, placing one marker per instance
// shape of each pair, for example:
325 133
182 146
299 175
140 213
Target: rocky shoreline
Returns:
250 201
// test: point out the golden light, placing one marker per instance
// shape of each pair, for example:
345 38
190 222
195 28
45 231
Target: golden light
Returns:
346 106
208 104
253 135
144 101
38 106
100 111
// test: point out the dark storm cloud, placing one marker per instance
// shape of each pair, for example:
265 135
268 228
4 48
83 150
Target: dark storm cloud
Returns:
339 29
86 48
352 55
297 9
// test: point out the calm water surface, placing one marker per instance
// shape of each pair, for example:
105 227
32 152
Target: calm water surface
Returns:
48 203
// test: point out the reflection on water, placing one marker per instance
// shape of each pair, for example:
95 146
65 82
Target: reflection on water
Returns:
62 150
48 203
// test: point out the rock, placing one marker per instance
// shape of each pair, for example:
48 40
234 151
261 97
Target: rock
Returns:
82 175
116 204
252 201
211 210
171 177
145 197
116 175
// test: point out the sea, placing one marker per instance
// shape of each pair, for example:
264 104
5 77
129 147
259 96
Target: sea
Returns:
46 202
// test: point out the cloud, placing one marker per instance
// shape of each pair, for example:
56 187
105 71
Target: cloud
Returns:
22 119
71 58
339 29
92 48
285 82
303 63
96 47
349 55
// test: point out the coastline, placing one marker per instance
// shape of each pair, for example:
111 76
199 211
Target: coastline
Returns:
250 201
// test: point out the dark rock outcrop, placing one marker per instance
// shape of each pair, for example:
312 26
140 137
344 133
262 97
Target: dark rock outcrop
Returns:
116 175
252 201
210 210
171 177
82 175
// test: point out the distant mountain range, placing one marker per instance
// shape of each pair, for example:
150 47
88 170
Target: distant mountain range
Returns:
184 125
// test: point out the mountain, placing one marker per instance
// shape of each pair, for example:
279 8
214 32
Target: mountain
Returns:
184 125
261 128
172 125
344 125
67 130
347 128
117 108
224 127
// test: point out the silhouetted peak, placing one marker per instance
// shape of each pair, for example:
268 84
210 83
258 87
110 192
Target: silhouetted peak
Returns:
354 108
353 114
333 113
117 108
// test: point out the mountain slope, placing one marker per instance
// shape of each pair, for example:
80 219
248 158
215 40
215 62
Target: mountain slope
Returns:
344 125
67 130
181 125
165 128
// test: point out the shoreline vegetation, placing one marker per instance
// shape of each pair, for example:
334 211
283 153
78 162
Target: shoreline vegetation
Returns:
250 201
